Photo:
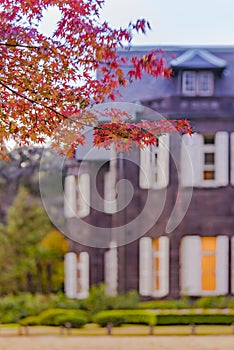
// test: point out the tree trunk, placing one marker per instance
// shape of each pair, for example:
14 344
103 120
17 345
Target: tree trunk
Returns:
49 277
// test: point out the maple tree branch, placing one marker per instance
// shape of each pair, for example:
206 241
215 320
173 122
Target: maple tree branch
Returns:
40 104
19 45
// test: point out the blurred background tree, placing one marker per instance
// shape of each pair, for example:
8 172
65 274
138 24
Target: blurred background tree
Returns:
30 249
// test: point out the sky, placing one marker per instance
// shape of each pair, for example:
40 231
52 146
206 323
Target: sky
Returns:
173 22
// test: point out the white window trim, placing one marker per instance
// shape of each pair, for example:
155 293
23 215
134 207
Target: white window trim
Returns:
210 90
192 161
184 90
70 196
83 195
190 263
163 273
232 159
146 273
197 76
148 169
77 195
111 270
71 266
232 265
110 179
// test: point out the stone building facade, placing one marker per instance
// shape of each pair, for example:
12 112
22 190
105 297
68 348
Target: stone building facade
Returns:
175 236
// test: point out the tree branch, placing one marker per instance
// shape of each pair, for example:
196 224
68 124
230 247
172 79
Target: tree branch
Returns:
41 104
19 45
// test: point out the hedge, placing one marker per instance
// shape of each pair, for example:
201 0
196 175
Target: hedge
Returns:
57 317
183 303
198 319
119 317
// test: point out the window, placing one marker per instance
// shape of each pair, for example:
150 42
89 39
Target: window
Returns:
208 263
154 165
208 157
197 83
204 160
77 195
154 266
204 265
76 275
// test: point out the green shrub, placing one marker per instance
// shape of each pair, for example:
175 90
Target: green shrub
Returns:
74 320
119 317
98 301
140 317
57 317
182 303
198 319
30 321
230 303
211 302
49 317
130 300
104 317
13 308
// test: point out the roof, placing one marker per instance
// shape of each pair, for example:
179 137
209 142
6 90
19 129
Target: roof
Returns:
219 58
198 59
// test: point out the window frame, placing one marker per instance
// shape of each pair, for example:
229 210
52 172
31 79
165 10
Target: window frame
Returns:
197 77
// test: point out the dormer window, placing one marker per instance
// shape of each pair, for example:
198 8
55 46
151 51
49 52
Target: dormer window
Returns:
197 83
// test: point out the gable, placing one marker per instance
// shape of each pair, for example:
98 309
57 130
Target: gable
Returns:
198 59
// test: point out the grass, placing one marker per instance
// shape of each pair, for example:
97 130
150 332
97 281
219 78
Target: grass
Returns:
125 330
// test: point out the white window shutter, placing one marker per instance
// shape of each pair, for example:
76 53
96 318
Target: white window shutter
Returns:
70 267
190 265
70 196
145 175
232 265
111 270
110 179
222 254
164 265
232 158
83 201
221 158
83 266
191 162
163 162
145 268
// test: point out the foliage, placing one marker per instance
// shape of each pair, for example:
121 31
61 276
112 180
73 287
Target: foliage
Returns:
124 135
129 300
51 250
185 319
31 251
47 84
183 303
74 320
98 300
15 307
27 223
119 317
57 317
211 302
29 321
12 308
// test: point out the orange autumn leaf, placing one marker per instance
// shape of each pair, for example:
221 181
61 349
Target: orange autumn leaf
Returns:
39 75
